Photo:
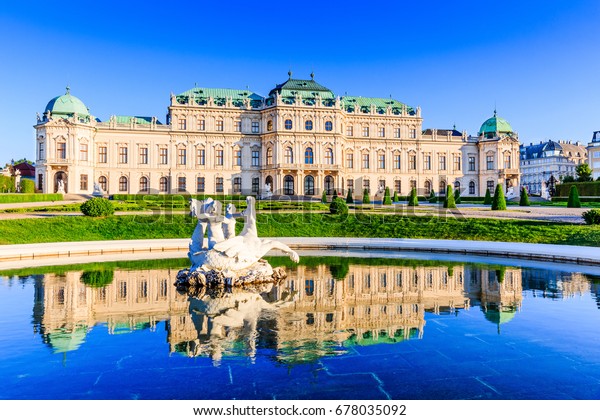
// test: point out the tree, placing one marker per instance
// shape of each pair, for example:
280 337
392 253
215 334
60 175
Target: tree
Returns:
449 200
338 206
457 198
488 197
573 198
413 200
324 197
567 178
499 201
349 198
97 207
387 200
395 199
524 201
432 198
584 172
366 198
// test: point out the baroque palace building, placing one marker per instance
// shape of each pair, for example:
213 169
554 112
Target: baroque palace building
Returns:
300 139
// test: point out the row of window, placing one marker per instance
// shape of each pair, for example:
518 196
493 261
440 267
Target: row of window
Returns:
163 184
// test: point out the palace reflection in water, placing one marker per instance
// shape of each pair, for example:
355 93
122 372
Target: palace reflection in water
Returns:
316 311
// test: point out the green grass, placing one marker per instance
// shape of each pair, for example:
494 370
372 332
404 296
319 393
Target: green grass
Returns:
302 224
29 198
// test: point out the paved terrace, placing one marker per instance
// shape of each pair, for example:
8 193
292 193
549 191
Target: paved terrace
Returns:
61 253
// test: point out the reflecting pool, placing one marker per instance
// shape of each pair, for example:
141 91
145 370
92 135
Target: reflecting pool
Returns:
335 328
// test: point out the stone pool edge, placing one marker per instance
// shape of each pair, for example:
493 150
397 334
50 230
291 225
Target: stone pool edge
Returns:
28 255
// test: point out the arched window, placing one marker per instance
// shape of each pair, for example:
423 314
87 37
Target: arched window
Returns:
288 124
329 185
308 156
329 156
123 184
163 184
270 125
309 185
442 187
143 184
472 187
289 155
103 183
427 187
269 156
269 182
308 125
328 126
288 185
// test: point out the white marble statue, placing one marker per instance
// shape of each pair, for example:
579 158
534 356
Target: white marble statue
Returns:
233 257
267 192
97 191
61 186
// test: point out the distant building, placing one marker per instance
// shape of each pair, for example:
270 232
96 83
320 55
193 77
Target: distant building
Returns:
300 139
593 150
540 162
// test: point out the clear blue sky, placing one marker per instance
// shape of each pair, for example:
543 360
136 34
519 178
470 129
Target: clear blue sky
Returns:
537 61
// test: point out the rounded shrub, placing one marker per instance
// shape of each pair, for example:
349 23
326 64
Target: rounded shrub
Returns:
573 198
27 186
592 217
499 201
387 199
338 206
97 278
97 207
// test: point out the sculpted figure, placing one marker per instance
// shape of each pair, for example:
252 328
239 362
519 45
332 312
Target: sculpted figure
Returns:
229 221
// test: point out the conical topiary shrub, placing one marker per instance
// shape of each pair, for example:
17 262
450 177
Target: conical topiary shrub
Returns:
335 194
524 201
349 198
395 199
499 202
488 197
324 197
573 198
413 200
432 198
366 198
457 198
387 200
449 200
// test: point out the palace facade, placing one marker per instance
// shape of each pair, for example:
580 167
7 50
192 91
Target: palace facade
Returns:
300 139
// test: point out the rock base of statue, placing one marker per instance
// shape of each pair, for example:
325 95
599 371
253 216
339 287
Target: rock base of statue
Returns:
259 272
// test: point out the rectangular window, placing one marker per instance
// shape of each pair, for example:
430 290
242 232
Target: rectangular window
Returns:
237 158
349 160
507 161
200 184
41 150
255 126
397 161
350 131
200 157
397 132
181 156
83 152
122 154
490 162
471 163
61 150
367 185
397 185
457 164
83 182
238 126
143 155
219 126
490 186
102 154
381 131
181 184
350 184
201 125
442 162
365 161
237 185
163 153
255 158
412 162
427 162
412 133
219 157
365 131
219 184
255 185
472 188
182 123
381 161
40 181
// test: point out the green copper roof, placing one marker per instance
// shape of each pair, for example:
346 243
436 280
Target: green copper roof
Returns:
305 89
67 105
63 340
495 125
126 119
220 96
351 103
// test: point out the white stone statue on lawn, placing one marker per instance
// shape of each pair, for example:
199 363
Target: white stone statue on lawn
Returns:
267 192
228 259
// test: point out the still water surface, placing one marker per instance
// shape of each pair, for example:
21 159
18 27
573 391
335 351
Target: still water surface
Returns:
336 328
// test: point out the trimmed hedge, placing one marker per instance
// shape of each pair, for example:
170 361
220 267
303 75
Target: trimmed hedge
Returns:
587 189
27 186
582 199
7 184
97 207
29 198
573 198
175 197
499 201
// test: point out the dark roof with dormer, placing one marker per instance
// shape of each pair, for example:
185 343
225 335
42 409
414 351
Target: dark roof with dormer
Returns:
551 148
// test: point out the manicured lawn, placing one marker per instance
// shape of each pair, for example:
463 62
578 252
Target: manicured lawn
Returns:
304 224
